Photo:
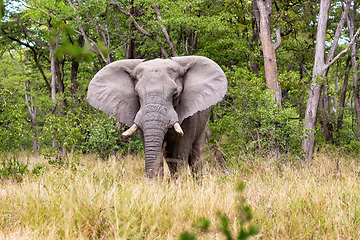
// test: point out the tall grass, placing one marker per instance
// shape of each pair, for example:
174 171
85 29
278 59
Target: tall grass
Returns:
94 199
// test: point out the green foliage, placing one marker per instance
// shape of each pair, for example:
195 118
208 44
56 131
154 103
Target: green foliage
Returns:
38 169
13 127
64 129
251 121
75 51
103 136
202 224
12 168
246 228
13 123
2 9
187 236
89 34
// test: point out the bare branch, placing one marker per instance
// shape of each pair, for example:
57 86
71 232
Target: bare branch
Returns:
31 109
17 64
303 66
342 52
171 45
82 32
136 25
154 37
338 32
278 39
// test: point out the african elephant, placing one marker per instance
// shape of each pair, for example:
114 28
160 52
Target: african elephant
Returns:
168 99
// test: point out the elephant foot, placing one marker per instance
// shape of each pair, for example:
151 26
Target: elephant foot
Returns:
176 166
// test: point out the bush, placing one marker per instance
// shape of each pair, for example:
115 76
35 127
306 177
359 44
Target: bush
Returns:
102 134
250 121
13 125
11 168
86 131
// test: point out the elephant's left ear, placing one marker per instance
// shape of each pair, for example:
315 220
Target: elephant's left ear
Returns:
204 85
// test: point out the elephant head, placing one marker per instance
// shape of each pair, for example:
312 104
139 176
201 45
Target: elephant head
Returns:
156 95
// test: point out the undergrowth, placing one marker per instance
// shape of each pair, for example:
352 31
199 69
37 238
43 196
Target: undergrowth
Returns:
87 198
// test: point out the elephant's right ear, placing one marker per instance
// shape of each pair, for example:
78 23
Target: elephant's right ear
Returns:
112 91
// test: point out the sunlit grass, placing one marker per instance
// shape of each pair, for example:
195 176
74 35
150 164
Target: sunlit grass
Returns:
114 200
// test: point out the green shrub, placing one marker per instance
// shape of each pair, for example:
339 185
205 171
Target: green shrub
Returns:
13 125
38 169
65 129
12 168
246 227
102 134
250 121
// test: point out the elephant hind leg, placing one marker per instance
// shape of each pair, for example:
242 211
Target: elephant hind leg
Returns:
196 155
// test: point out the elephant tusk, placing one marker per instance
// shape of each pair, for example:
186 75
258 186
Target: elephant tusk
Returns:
130 131
178 129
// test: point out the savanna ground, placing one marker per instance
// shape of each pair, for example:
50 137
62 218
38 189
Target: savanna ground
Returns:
92 199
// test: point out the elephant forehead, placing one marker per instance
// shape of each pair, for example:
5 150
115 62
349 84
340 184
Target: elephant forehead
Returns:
164 66
153 83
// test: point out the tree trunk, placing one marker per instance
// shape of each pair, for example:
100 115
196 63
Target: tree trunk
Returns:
53 73
339 123
31 106
350 23
320 71
325 110
130 48
254 41
74 72
60 83
154 36
166 34
75 68
316 85
53 82
264 8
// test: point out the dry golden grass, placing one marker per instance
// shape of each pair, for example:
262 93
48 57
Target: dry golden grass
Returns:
113 200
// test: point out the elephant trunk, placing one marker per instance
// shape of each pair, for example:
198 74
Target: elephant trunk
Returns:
154 127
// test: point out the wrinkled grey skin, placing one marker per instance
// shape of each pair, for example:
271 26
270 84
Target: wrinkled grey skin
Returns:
155 95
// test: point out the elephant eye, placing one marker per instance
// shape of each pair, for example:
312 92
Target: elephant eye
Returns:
175 94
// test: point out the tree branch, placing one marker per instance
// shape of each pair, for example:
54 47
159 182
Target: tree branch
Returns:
171 45
278 39
154 37
82 31
136 25
34 56
342 52
338 32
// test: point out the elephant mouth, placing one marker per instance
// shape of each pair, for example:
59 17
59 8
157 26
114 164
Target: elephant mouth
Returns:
134 127
130 131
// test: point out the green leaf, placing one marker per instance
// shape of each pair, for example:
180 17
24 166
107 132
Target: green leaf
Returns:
187 236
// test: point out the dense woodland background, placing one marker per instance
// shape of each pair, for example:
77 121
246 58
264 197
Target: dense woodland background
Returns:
292 69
